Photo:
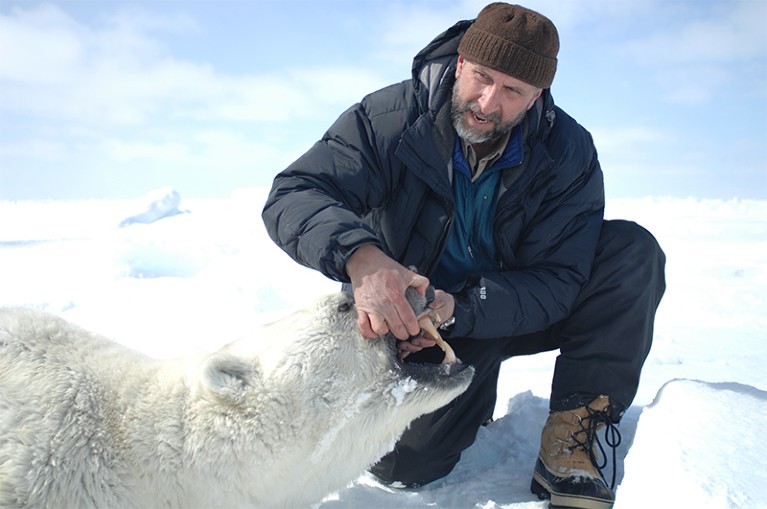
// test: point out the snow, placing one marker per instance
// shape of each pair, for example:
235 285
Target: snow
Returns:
688 478
180 283
402 389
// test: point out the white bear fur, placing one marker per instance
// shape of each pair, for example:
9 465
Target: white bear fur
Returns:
279 419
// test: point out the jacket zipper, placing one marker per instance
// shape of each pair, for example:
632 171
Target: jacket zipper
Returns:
443 238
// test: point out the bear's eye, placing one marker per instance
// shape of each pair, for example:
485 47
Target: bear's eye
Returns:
344 307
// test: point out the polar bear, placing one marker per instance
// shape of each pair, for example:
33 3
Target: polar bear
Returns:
277 419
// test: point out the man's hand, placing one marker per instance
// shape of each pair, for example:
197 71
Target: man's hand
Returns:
379 293
444 305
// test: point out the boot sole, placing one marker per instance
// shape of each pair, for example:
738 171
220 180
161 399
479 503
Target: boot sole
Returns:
541 488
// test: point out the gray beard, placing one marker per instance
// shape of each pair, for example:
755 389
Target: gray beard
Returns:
475 136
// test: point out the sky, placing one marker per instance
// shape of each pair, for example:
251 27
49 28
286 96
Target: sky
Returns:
112 98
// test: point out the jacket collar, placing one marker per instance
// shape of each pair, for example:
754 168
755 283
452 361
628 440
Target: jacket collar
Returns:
434 64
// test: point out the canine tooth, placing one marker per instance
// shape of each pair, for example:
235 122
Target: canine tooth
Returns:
428 326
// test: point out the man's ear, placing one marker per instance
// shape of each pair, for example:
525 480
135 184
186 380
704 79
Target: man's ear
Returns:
459 66
535 98
228 377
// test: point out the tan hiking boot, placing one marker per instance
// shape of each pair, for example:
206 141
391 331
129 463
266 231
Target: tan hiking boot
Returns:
568 470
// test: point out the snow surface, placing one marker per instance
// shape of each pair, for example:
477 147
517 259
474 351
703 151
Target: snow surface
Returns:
186 282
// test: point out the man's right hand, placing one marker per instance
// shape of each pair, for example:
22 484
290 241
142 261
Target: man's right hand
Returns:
379 284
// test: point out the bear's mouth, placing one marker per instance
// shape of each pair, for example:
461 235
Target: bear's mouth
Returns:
428 370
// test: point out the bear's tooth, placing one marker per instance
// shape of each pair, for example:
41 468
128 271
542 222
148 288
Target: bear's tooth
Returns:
430 331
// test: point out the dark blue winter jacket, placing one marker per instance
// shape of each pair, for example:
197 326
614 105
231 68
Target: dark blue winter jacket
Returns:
383 174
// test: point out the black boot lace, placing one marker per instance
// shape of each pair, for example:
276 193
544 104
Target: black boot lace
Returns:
612 436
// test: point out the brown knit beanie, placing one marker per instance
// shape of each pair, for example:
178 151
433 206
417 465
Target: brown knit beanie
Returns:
515 41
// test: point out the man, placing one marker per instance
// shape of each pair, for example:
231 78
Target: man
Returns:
470 174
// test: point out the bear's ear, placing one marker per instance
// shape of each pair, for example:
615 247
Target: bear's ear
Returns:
227 376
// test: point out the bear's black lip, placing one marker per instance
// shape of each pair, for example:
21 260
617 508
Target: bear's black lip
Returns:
439 370
437 376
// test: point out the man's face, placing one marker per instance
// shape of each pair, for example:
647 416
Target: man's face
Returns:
488 103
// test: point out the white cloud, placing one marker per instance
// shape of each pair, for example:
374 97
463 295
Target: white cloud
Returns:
577 15
716 47
208 151
120 74
694 84
108 96
122 151
408 27
56 67
39 149
277 98
628 139
39 46
725 33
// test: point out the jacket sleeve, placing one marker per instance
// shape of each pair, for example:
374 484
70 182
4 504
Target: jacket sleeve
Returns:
315 208
552 257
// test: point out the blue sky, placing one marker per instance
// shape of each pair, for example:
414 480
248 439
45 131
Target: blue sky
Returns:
111 99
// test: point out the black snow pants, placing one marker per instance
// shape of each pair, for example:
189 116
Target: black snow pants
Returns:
603 345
